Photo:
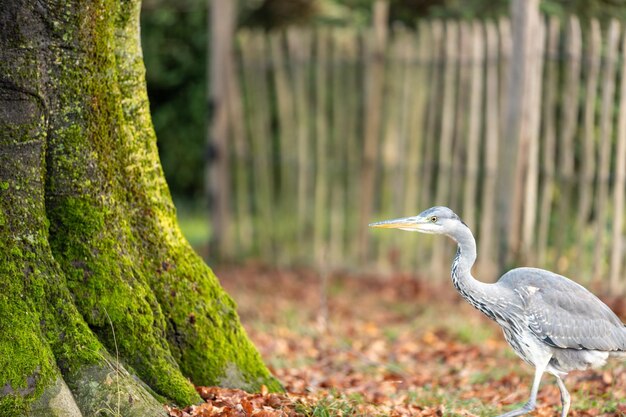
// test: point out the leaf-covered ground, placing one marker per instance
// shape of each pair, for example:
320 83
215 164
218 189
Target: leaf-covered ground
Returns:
386 347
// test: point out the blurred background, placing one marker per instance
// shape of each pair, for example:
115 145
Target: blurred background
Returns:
286 126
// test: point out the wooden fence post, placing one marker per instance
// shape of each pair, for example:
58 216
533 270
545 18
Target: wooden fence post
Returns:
493 121
221 66
592 57
243 229
530 172
321 212
548 136
299 47
374 83
514 150
605 141
615 284
445 158
477 59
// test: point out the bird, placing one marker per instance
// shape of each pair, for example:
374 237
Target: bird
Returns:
551 322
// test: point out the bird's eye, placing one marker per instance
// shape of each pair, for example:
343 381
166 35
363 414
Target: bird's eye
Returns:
433 219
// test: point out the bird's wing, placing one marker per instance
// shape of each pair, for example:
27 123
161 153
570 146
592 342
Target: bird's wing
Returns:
564 314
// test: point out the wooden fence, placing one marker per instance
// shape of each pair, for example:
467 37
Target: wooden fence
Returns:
331 129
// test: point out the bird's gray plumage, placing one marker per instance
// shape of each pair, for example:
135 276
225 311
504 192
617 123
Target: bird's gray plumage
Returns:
562 313
549 320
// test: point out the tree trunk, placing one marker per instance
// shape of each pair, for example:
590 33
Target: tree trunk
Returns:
104 305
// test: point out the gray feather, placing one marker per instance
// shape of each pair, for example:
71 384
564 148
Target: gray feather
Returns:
563 313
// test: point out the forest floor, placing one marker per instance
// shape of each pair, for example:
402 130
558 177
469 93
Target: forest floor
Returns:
395 346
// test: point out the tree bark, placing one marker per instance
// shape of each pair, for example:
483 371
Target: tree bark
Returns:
104 305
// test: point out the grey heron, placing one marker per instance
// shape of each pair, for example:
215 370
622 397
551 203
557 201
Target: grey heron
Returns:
551 322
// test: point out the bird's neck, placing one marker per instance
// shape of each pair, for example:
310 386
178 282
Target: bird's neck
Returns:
466 250
475 292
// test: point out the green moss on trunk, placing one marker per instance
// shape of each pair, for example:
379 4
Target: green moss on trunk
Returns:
111 294
83 201
41 332
27 362
204 331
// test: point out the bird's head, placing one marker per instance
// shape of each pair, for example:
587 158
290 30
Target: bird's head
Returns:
436 220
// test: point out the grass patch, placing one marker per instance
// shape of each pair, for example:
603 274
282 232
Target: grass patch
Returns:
605 403
194 222
450 397
329 407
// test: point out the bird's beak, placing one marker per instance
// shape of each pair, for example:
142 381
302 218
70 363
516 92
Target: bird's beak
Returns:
404 223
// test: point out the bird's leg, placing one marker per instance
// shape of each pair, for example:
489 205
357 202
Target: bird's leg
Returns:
532 401
565 397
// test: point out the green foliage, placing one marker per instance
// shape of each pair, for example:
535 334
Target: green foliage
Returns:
174 40
272 14
604 10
